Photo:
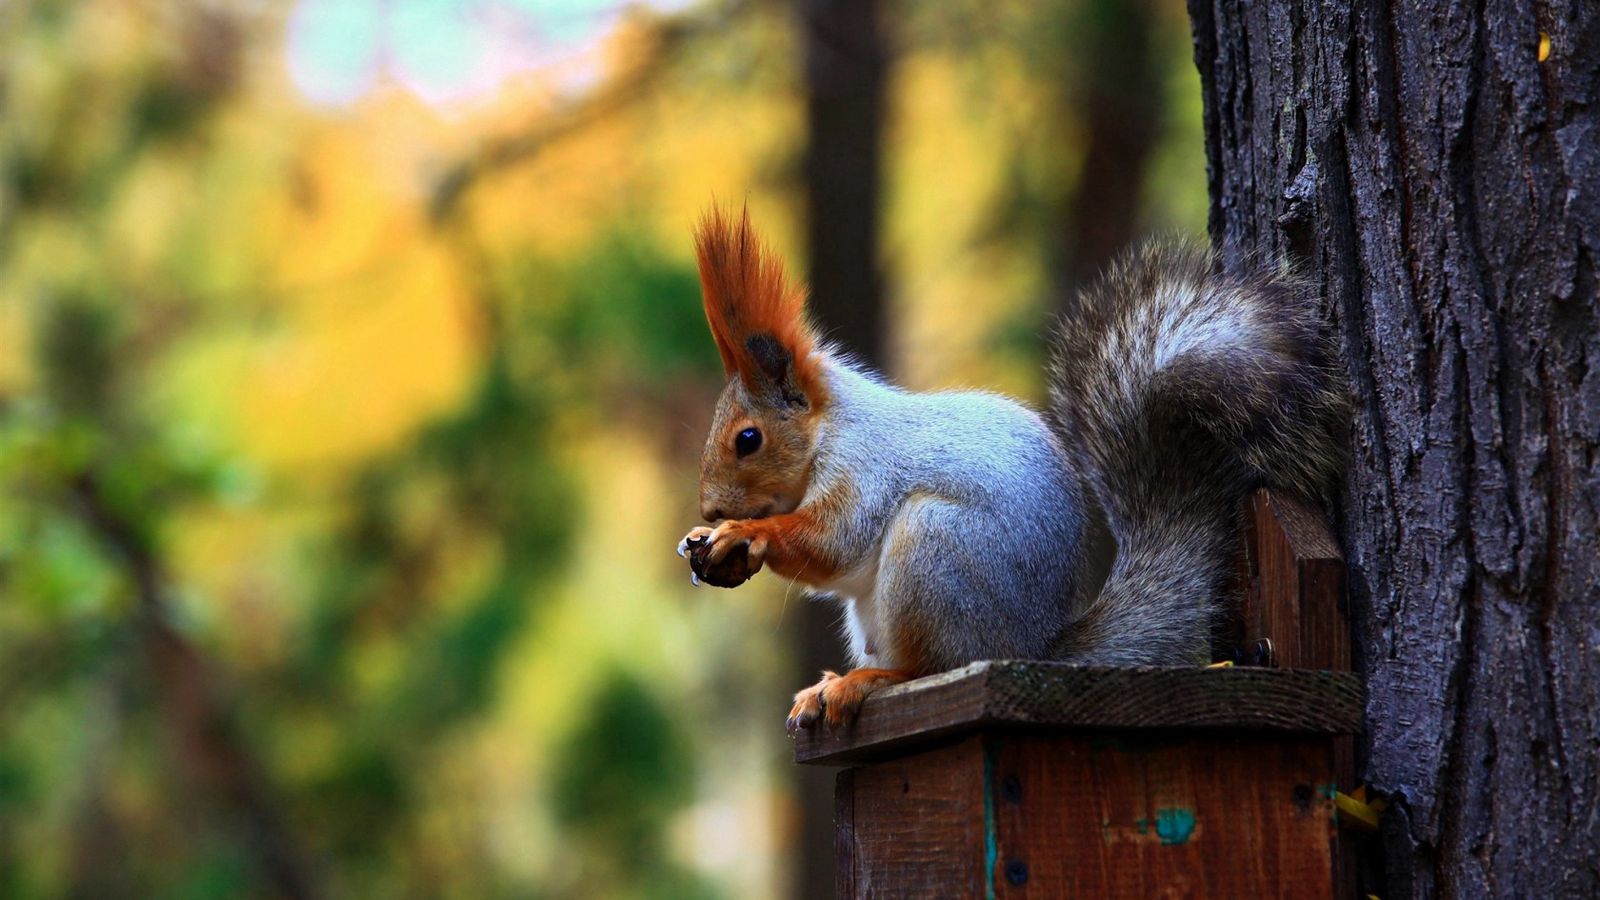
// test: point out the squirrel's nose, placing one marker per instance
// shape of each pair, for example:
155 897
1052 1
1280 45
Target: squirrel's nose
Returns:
711 513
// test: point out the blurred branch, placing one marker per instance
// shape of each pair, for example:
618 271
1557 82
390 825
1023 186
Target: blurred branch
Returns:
100 864
671 34
209 752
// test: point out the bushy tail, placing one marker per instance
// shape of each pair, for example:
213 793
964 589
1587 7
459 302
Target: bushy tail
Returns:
1183 390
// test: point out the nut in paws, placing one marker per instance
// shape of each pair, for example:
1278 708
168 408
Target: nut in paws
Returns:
718 557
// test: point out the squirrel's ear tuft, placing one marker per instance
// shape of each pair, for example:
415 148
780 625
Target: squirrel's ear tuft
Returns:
757 317
779 380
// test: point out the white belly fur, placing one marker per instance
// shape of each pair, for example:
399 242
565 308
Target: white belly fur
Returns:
862 629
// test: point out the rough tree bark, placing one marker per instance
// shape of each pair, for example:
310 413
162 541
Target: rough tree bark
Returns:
845 68
1442 185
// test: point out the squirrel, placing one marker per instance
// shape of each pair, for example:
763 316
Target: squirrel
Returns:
963 525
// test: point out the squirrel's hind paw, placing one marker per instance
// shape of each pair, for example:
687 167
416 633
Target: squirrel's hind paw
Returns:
837 699
808 705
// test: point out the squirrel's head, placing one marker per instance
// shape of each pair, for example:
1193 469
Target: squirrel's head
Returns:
758 456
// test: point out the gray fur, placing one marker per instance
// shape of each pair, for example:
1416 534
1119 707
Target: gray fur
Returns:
1180 390
977 493
982 528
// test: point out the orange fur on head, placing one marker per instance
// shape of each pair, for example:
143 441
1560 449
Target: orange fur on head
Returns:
747 294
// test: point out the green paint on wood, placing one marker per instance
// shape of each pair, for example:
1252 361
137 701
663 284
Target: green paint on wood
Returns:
991 842
1174 826
1143 825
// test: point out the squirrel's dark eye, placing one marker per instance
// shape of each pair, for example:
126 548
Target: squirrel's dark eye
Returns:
748 442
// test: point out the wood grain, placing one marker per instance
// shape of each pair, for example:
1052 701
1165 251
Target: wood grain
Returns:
1060 696
1294 597
1294 592
1162 816
1016 814
844 834
918 825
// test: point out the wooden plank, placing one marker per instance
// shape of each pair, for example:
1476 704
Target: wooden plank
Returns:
1230 640
844 833
1057 695
1294 594
919 825
1207 816
1294 597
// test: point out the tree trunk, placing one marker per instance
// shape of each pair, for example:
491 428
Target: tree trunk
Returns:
1442 186
1117 92
845 64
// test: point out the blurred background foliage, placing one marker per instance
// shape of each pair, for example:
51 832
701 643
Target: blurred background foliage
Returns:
352 382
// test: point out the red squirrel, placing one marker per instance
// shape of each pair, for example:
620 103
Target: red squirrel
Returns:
957 526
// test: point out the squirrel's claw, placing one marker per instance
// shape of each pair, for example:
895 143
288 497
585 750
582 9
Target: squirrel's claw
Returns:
803 719
809 705
805 714
696 535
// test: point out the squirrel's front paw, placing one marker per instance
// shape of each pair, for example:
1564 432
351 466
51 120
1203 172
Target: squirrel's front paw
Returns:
725 556
693 548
